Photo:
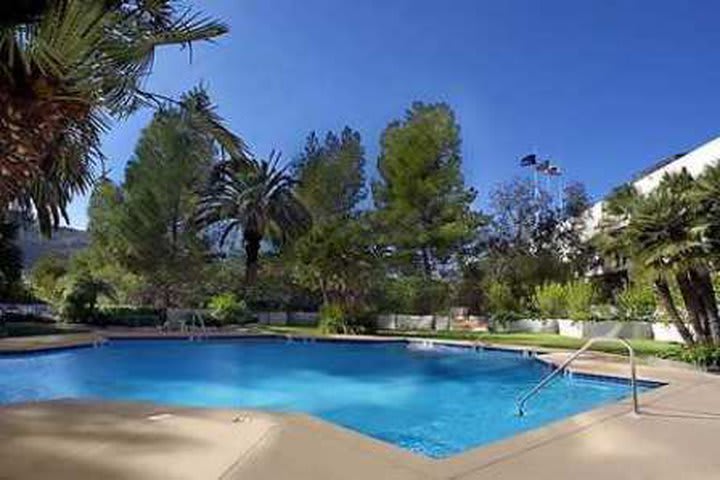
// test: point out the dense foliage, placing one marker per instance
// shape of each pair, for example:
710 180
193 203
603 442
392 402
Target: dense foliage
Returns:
227 308
198 221
331 175
529 242
551 300
424 209
67 67
193 227
10 261
670 235
256 198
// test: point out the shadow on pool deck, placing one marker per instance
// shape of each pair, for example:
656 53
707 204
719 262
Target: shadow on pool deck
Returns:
681 413
81 440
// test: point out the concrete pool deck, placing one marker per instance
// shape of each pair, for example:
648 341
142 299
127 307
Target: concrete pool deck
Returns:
675 436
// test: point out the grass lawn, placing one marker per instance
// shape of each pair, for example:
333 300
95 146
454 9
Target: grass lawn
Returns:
646 348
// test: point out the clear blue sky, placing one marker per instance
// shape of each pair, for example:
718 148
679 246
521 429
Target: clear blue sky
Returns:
604 87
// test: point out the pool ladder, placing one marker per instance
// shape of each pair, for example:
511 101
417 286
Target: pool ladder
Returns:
548 378
201 330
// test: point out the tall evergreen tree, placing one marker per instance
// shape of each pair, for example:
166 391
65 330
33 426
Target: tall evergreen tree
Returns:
336 258
331 175
164 178
105 259
423 203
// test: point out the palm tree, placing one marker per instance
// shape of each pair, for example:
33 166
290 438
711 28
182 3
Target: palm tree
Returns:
82 295
707 194
659 233
67 68
663 239
257 198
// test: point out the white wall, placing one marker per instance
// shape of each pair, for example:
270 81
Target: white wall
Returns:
694 162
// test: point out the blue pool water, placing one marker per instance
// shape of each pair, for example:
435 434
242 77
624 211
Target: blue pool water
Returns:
435 402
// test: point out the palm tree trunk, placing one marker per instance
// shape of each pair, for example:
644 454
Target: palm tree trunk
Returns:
324 291
252 253
706 292
662 292
427 262
693 306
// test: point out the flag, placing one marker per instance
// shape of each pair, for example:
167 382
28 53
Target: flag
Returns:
543 167
554 170
528 160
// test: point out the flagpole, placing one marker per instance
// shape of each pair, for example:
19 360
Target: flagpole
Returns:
535 175
560 195
547 184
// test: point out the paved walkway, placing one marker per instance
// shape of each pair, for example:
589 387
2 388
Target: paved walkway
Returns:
675 437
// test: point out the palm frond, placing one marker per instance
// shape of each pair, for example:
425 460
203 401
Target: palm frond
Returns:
65 66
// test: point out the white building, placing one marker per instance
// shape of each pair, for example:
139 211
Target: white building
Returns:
693 161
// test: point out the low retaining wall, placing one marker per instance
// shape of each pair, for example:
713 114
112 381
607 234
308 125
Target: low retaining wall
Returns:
666 332
382 322
303 319
568 328
412 322
272 318
296 319
631 330
528 326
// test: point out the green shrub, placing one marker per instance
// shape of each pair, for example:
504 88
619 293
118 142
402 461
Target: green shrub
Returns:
122 316
412 295
703 356
604 311
79 303
502 303
332 319
226 308
636 302
47 279
580 296
550 299
503 318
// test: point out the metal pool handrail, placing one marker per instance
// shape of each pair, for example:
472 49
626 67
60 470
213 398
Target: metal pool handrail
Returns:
199 323
548 378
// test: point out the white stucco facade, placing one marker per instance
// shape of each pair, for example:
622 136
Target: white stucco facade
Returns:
693 161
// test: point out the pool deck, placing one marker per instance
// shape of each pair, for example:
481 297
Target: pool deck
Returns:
675 436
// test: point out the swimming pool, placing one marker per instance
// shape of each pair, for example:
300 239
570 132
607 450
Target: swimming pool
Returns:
437 402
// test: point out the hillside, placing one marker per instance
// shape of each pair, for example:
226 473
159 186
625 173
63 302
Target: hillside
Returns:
65 241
